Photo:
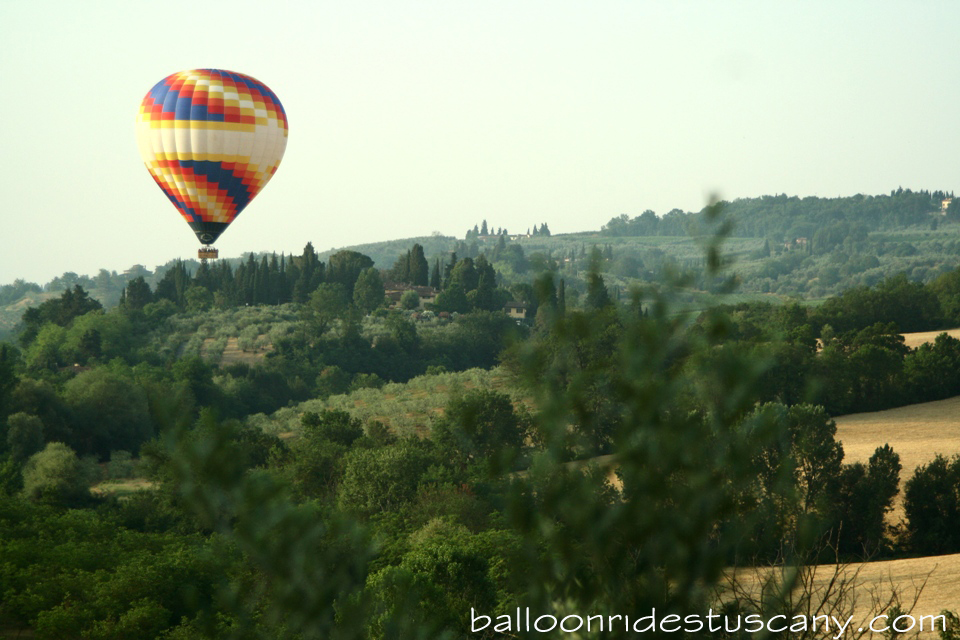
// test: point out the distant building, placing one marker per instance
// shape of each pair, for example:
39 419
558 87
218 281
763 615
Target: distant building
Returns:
945 204
516 310
395 290
136 271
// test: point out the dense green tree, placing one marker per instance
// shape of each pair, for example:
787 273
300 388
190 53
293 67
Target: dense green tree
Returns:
334 426
453 299
174 284
345 266
464 276
317 462
56 476
484 297
809 451
98 336
8 377
947 289
24 436
597 295
865 370
577 349
197 376
932 505
419 268
865 497
307 274
327 304
481 425
433 588
137 294
45 350
409 300
59 311
909 305
448 269
384 478
40 398
198 298
111 412
368 293
90 346
933 369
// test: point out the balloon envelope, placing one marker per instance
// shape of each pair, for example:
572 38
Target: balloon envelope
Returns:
211 139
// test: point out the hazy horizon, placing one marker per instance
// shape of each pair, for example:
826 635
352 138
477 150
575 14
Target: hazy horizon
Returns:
410 118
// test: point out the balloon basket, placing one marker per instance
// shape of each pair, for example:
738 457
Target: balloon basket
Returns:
207 253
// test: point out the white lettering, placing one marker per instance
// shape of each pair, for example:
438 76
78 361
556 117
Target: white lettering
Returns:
536 623
913 623
884 616
770 622
589 618
800 624
670 619
757 620
695 619
650 627
710 616
842 628
473 621
565 618
933 626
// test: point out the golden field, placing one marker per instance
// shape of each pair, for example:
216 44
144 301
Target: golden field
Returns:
917 433
914 340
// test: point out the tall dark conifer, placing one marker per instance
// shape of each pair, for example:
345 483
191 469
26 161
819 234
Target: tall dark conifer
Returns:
419 267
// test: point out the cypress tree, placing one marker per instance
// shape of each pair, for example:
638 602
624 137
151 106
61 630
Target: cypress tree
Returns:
419 267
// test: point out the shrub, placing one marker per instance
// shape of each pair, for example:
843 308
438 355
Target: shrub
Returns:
56 476
932 505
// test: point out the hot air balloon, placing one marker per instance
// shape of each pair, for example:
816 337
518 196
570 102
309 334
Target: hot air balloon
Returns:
211 139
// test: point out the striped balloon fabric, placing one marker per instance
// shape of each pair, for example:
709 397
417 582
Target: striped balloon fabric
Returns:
211 139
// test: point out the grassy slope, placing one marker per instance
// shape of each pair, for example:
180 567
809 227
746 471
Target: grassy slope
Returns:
407 408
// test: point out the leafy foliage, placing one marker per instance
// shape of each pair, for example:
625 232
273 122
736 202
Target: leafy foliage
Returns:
337 475
932 505
56 476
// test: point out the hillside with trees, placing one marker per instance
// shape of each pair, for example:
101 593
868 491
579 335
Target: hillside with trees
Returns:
380 469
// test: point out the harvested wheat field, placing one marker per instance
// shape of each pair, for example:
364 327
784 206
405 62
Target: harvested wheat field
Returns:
941 573
914 340
917 432
923 586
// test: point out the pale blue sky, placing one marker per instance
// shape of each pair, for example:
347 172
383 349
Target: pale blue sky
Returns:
413 117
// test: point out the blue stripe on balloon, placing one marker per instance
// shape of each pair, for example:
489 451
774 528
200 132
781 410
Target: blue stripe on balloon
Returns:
216 174
223 178
159 91
199 112
170 100
183 107
183 207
